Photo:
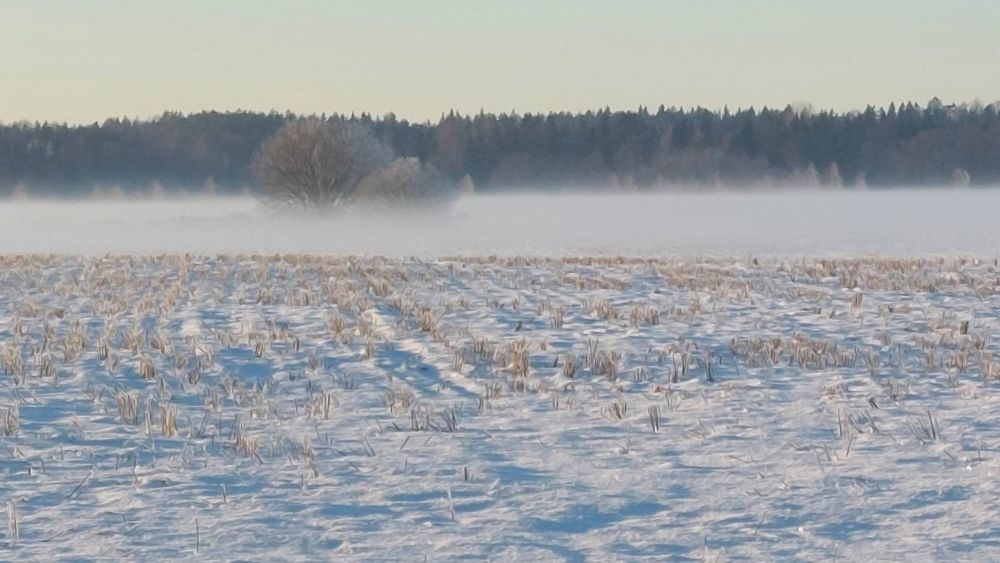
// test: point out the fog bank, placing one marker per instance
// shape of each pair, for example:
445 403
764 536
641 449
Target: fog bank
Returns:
806 223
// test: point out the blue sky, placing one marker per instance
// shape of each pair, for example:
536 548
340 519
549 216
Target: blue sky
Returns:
83 60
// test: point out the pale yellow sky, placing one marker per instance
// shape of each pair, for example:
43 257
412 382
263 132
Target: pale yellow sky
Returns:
84 60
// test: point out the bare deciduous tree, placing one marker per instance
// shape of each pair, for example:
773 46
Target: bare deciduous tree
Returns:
316 163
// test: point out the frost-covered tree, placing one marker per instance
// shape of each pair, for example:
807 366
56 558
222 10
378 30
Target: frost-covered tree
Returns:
404 181
317 163
833 177
960 178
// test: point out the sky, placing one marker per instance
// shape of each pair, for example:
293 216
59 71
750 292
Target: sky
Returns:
81 61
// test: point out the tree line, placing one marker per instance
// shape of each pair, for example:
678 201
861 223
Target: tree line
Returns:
904 144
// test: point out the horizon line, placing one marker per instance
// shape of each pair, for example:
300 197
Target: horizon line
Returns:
797 106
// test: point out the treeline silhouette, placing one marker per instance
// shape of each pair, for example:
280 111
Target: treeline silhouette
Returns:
903 144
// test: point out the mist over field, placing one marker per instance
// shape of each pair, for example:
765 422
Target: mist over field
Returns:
917 222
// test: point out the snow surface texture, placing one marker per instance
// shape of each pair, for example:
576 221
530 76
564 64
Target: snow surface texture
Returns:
240 408
789 223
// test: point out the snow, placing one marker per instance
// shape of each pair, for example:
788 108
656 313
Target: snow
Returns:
809 424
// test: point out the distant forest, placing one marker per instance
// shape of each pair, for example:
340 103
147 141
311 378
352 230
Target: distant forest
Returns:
894 146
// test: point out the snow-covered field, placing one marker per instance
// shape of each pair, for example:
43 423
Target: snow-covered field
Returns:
297 408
